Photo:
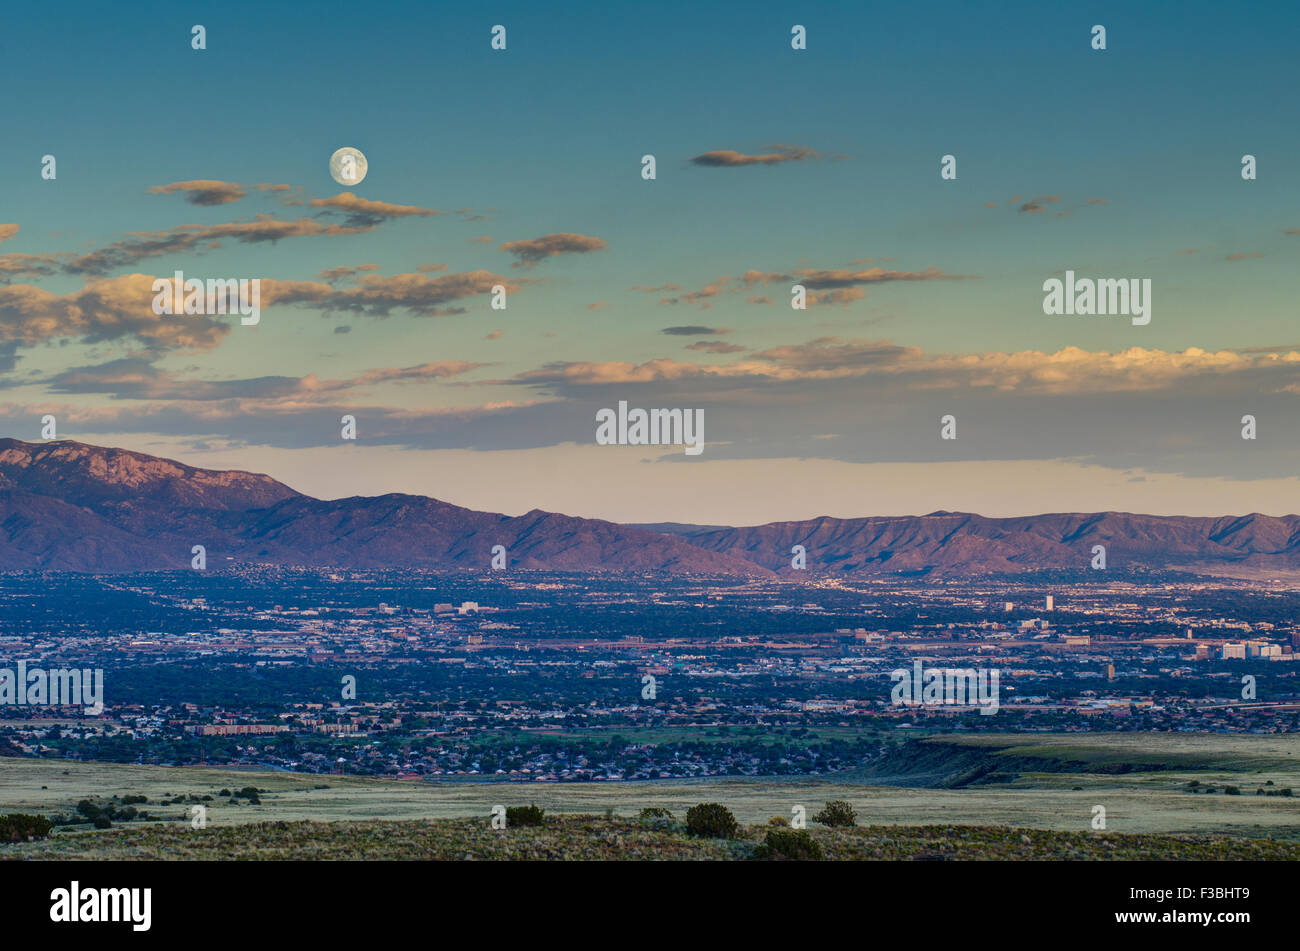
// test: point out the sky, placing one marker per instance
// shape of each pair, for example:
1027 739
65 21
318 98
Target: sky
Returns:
522 168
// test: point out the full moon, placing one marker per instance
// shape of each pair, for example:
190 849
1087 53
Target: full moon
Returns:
348 166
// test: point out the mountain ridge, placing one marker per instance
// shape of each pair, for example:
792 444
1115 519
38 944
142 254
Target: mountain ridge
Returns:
66 505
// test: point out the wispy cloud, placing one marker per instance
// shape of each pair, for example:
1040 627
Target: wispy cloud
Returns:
532 251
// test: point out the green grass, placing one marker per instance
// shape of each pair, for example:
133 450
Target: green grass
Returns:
1154 801
585 838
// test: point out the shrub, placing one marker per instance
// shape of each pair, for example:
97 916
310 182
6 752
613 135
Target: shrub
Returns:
655 812
102 821
711 820
778 821
20 827
132 800
837 812
794 845
1232 790
524 816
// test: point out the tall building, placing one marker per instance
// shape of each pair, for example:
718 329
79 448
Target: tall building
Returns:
1051 602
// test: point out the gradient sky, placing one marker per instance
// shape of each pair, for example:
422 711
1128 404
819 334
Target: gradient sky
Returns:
1122 163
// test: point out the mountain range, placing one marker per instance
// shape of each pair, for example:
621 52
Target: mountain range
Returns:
70 506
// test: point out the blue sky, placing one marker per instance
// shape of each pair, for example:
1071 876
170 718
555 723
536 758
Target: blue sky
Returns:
1115 163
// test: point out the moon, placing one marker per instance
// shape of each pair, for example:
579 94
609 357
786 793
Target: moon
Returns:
348 166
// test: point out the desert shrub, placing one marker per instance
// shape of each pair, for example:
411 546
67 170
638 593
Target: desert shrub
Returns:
132 800
655 812
21 827
1232 790
789 845
778 821
711 820
837 812
524 816
102 821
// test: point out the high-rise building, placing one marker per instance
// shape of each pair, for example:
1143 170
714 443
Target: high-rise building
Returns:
1051 603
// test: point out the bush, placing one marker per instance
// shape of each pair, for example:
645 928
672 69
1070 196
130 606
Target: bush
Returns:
711 820
778 821
794 845
1232 790
837 812
655 812
102 821
524 816
20 827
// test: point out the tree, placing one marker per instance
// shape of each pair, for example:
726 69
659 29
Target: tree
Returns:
837 812
711 820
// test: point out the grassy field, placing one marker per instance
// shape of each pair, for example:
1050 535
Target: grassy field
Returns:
588 838
1047 783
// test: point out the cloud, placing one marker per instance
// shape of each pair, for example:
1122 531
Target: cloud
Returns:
598 305
827 359
1031 207
481 239
729 158
15 266
379 295
141 245
534 250
494 335
364 213
840 284
842 295
694 330
113 309
344 272
137 378
661 289
203 191
715 346
1239 256
7 232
